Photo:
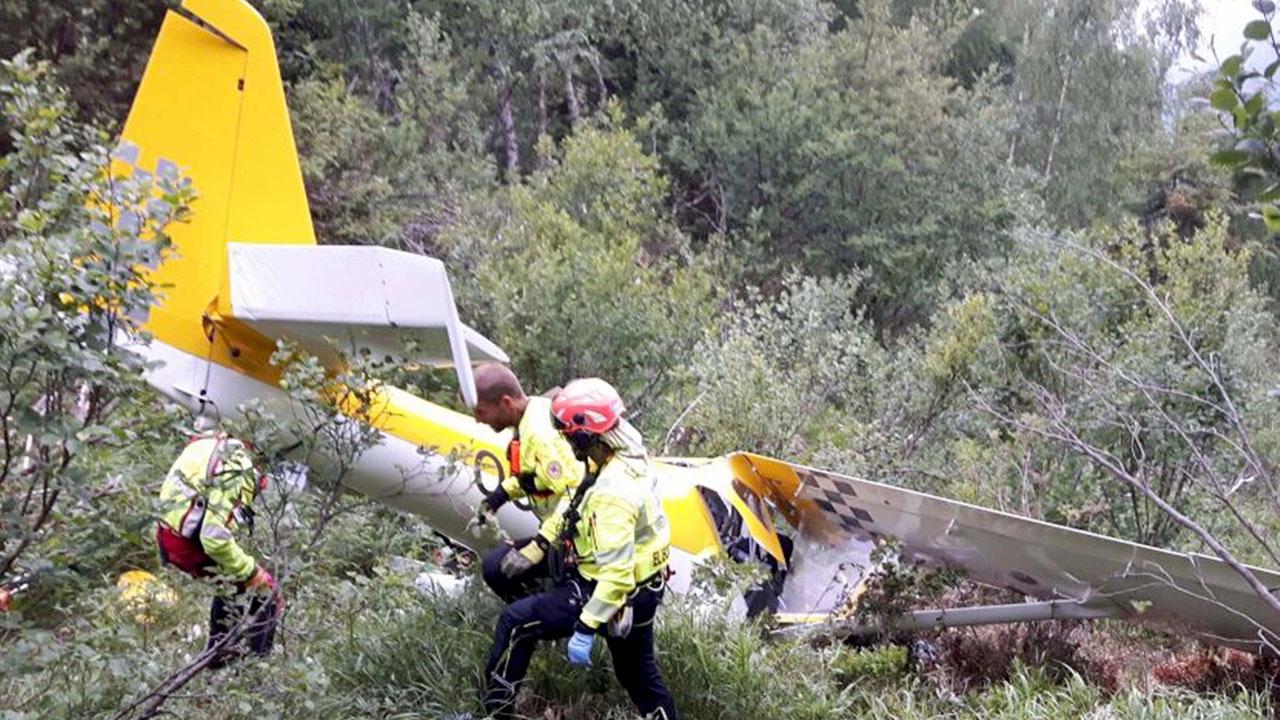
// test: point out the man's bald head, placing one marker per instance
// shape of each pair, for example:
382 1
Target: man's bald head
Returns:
500 400
493 380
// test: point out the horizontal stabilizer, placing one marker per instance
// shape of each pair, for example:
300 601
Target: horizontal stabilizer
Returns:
390 302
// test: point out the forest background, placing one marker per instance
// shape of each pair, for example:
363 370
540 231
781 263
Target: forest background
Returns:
981 249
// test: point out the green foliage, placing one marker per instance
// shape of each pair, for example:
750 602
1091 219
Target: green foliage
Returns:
398 652
1172 178
1083 345
1240 94
722 669
803 359
116 652
863 664
370 646
895 587
580 271
851 151
74 288
787 226
98 48
1030 693
395 180
347 148
1082 66
106 525
669 55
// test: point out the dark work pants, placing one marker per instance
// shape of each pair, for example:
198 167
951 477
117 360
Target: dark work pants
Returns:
521 586
227 610
550 616
258 610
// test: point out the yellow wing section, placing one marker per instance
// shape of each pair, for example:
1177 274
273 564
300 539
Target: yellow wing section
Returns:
692 527
211 107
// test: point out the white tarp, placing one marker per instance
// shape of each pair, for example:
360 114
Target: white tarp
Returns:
361 297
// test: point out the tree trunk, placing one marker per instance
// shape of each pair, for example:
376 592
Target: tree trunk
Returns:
1057 121
541 161
510 160
570 96
1013 142
602 91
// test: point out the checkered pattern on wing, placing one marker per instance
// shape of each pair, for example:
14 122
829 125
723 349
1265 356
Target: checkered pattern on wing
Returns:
834 496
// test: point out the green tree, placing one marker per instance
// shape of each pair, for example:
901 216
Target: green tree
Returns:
1243 95
787 373
852 151
75 244
97 49
580 270
1149 350
1089 86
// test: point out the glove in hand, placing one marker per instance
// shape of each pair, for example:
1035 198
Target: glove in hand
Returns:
580 648
261 579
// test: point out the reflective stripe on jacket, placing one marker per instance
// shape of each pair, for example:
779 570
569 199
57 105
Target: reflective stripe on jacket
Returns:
623 536
216 474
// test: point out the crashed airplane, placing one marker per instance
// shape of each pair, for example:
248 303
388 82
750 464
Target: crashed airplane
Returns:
247 272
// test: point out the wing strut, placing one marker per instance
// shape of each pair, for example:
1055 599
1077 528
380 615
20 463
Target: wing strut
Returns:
964 617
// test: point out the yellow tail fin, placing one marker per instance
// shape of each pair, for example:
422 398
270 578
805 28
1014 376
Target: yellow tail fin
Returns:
211 106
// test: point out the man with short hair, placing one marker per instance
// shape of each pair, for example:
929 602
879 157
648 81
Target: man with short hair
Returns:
543 470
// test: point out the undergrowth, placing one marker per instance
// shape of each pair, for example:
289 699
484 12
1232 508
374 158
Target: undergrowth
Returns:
371 646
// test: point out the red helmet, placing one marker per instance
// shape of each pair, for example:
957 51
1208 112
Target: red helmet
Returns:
588 405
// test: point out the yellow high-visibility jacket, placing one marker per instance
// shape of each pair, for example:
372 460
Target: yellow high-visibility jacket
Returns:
546 461
219 470
623 536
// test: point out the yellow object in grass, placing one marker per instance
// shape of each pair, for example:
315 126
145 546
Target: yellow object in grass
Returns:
141 593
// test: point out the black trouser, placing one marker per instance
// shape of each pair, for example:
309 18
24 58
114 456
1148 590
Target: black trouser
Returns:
259 632
550 616
520 586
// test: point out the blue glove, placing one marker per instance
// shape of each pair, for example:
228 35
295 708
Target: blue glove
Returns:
580 648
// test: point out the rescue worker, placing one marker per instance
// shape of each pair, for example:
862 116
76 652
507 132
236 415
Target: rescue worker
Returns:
610 542
543 469
207 496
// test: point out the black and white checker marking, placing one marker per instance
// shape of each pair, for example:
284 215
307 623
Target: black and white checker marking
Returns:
834 496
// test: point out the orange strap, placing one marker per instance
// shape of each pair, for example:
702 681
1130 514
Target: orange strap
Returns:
513 455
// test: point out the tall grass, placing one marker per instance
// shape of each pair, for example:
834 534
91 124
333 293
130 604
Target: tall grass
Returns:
371 647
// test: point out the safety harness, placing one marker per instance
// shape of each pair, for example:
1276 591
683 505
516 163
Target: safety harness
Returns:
528 481
562 556
562 560
193 518
513 452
